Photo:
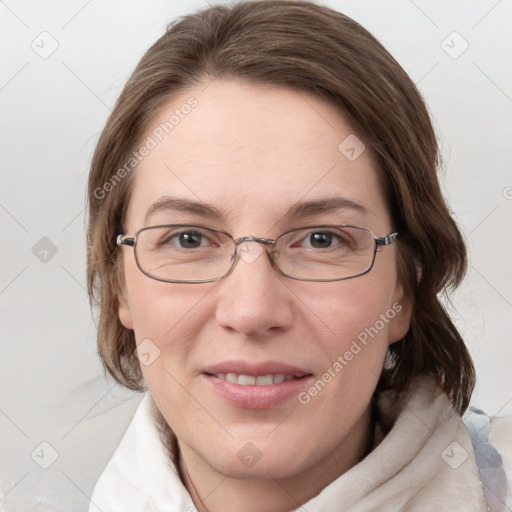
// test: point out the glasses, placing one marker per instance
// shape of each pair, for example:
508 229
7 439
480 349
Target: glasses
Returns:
183 253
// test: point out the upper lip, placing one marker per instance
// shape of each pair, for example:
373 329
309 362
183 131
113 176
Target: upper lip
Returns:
241 367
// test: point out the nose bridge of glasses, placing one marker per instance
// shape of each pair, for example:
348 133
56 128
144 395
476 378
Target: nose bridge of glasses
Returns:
250 252
264 241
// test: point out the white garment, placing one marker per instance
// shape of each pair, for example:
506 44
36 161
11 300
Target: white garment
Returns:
425 463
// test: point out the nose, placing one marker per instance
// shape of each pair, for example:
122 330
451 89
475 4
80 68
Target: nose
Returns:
252 298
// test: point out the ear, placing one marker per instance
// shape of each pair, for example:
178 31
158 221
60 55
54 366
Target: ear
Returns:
400 323
124 311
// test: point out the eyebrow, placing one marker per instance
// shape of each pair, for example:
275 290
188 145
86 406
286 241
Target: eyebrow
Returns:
327 205
183 205
298 210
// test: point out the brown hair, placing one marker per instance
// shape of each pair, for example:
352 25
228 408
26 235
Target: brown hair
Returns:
310 48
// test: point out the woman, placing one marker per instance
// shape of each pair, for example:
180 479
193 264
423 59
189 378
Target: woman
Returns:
267 242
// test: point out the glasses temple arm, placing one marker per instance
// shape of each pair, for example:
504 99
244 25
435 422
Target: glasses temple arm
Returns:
386 240
121 240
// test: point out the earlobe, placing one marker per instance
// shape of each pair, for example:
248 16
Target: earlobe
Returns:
124 311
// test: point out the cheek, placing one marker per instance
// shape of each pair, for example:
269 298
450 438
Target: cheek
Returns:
167 319
357 318
158 308
354 343
352 310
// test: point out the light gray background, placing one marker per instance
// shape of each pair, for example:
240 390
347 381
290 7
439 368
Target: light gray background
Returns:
53 109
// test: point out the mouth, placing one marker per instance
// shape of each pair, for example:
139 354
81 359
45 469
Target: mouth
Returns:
256 386
255 380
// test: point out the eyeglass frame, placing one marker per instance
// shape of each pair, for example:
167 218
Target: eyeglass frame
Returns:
122 239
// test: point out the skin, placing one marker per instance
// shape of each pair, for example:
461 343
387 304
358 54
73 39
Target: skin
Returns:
252 151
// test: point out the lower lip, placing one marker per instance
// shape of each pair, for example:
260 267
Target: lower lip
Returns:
256 397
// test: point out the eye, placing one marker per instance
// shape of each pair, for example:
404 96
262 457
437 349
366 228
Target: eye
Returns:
186 240
190 240
322 240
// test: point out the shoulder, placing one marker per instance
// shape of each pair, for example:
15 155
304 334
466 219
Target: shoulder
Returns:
492 443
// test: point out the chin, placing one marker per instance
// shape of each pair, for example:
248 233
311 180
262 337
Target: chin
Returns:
268 466
262 457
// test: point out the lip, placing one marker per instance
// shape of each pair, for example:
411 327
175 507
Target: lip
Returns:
256 397
256 369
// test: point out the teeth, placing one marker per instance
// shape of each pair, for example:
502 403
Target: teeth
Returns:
231 377
246 380
264 380
250 380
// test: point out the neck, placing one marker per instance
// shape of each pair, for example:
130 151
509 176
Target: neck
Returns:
213 491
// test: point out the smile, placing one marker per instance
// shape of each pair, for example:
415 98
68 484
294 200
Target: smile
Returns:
251 380
248 385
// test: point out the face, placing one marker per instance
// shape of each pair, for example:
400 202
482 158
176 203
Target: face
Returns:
252 152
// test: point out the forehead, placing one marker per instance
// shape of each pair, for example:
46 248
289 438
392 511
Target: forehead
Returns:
252 151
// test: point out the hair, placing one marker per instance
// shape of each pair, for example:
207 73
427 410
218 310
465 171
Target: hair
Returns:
314 49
